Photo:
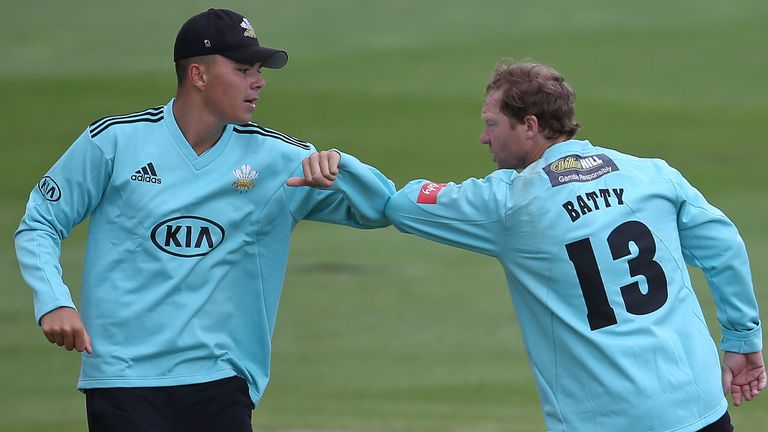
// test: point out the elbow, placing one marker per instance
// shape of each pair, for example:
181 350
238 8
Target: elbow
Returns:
371 218
395 215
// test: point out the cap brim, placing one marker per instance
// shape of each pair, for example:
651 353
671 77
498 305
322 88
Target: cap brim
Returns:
268 57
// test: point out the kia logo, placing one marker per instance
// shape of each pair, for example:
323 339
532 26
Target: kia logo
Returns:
50 189
187 236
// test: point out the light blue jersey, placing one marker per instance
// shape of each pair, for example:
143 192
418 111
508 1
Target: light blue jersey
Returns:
186 254
594 244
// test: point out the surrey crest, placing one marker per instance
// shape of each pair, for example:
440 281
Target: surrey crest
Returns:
245 175
249 31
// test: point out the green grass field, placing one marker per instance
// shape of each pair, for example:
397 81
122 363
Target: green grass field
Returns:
379 331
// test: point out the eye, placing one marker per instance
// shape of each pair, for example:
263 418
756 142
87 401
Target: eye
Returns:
243 70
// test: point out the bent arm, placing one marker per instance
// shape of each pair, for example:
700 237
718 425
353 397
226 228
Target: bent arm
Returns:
470 215
68 192
356 198
711 242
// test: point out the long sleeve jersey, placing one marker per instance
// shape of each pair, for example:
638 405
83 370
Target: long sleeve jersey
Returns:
594 244
186 254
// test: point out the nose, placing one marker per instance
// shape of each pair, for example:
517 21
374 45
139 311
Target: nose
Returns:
485 138
259 82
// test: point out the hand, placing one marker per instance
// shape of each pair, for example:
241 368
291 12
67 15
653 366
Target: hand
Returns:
320 170
743 375
64 327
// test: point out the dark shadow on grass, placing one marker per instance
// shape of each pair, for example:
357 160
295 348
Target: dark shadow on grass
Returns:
334 268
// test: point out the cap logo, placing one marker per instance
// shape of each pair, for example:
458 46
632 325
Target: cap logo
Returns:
249 31
207 43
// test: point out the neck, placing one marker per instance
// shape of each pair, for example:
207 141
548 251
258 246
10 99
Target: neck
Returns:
542 145
201 129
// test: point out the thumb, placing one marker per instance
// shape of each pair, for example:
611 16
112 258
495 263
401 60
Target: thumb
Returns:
88 348
296 181
727 378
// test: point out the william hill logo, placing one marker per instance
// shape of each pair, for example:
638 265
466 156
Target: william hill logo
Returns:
576 168
575 163
187 236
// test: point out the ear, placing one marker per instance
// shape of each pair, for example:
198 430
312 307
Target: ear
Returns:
531 124
197 75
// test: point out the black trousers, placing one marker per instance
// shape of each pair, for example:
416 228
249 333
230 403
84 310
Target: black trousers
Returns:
723 424
222 405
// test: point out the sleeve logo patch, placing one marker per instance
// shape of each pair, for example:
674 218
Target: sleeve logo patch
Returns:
50 189
577 168
428 193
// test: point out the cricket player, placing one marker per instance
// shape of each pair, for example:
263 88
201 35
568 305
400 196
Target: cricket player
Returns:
594 244
191 209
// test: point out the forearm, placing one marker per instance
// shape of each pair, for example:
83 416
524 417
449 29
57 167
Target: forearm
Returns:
38 254
365 191
70 190
711 241
468 216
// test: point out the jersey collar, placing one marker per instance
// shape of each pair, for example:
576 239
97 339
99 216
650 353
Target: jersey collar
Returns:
198 162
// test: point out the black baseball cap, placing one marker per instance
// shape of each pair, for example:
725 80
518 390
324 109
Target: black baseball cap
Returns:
227 33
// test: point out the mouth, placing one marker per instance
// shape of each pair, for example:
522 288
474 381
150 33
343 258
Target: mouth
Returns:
490 150
251 102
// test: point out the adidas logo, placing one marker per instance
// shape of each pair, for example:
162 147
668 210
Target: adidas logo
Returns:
146 174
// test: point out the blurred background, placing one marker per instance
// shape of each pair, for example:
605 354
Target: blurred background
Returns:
379 331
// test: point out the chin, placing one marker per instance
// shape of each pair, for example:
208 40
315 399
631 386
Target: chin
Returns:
242 120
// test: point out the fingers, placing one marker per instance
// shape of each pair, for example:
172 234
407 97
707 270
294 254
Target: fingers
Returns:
743 376
749 391
59 339
727 378
324 170
308 165
83 342
746 392
756 386
296 181
64 328
87 345
758 377
329 164
320 170
743 391
736 395
761 381
71 339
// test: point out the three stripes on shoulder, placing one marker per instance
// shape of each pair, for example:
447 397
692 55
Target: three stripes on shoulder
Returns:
252 128
154 115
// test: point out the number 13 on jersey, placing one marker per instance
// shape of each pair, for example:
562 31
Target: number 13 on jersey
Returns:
600 314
